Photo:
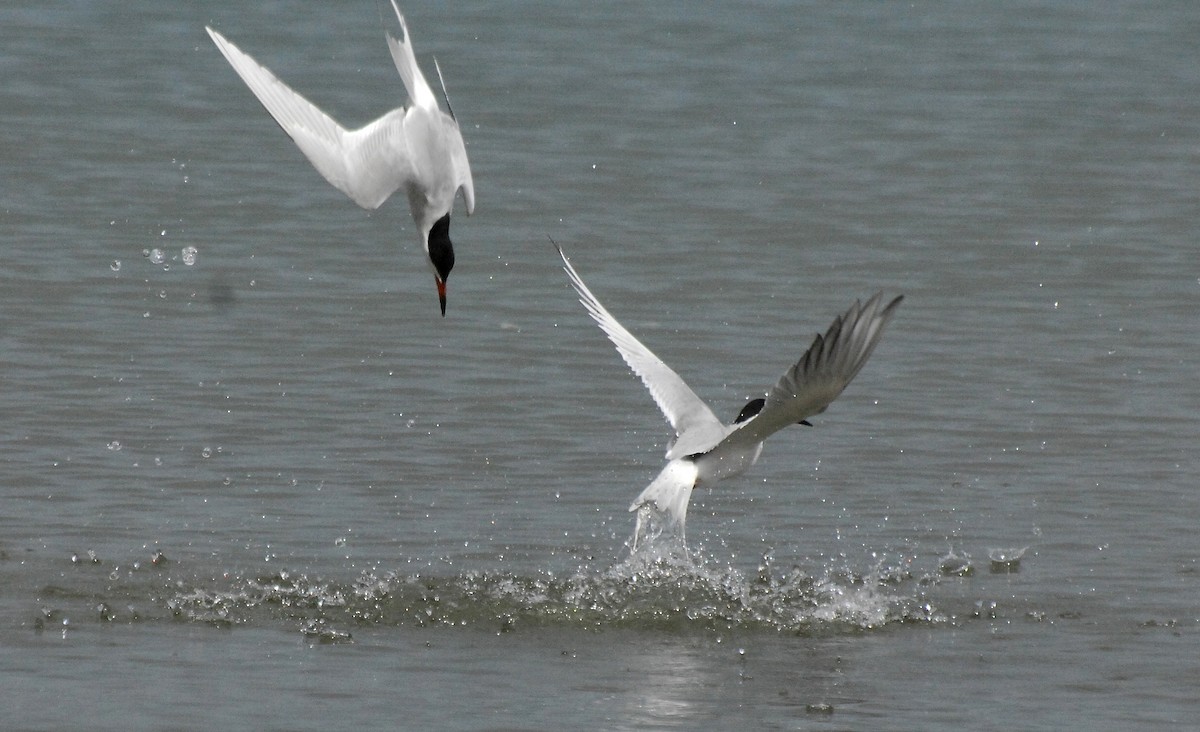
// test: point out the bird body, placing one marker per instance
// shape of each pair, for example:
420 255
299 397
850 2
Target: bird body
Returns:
418 148
705 450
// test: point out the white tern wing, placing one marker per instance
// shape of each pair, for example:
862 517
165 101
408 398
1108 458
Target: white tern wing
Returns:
406 63
682 408
368 164
449 143
828 365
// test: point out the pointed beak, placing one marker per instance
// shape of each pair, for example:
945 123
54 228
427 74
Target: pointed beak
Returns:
441 288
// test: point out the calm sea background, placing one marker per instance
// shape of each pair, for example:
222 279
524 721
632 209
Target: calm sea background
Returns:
252 480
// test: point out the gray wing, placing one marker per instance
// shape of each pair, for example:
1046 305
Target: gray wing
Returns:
368 164
829 364
682 408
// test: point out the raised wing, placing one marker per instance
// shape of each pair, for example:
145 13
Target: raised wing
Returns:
682 408
406 63
423 99
829 364
368 164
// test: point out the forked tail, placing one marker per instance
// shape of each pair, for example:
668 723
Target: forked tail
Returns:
406 63
663 506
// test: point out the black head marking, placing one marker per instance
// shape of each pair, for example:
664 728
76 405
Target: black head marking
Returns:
441 251
752 408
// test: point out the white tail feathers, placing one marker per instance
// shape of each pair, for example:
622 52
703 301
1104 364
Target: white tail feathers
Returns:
406 63
665 500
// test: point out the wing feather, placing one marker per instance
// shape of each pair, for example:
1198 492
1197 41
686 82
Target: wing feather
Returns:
423 98
406 63
825 369
368 164
679 404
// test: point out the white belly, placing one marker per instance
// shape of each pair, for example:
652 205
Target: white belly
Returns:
720 464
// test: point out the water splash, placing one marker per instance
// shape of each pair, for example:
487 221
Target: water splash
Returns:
1006 561
653 590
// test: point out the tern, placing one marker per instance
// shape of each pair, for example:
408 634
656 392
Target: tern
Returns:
418 148
704 449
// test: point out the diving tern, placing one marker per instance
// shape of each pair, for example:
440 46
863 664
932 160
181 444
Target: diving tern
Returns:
705 450
418 148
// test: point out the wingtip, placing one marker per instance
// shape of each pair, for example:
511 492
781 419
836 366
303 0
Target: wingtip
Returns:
445 94
558 249
400 17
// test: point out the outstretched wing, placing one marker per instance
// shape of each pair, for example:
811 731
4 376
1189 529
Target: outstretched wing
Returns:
368 164
682 408
829 364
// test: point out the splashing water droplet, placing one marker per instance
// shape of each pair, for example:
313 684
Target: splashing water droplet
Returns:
157 256
114 445
189 255
115 266
206 452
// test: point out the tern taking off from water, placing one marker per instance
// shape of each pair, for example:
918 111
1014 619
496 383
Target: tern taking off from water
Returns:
418 148
705 450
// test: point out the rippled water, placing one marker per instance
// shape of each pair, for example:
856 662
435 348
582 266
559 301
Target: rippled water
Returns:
252 478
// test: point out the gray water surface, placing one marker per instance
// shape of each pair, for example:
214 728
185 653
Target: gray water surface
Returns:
252 480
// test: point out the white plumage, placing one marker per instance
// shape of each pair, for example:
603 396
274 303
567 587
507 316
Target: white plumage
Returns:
419 148
705 450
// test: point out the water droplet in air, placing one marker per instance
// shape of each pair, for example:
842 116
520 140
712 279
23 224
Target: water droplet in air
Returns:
115 266
157 256
114 445
206 452
189 255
